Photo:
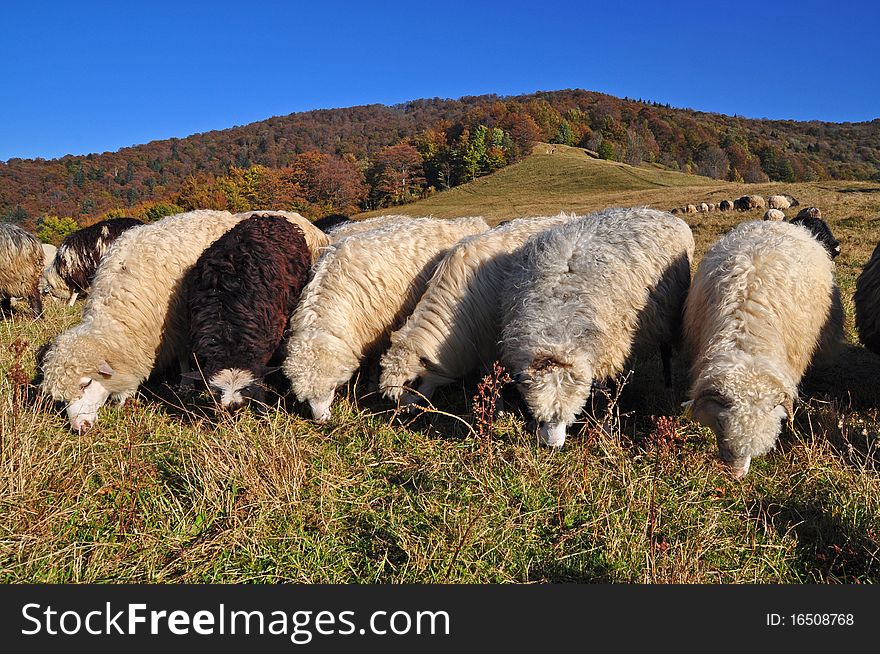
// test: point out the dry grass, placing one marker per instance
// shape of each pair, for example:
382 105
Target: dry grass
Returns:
161 492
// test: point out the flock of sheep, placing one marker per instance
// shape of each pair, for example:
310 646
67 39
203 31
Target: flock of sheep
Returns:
775 205
563 302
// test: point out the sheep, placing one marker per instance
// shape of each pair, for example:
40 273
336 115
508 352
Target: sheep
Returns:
792 201
455 327
749 202
21 264
49 252
809 212
71 272
240 294
703 207
584 298
134 319
713 206
778 202
821 232
762 305
362 289
774 214
360 226
690 209
675 211
867 301
725 205
315 238
330 222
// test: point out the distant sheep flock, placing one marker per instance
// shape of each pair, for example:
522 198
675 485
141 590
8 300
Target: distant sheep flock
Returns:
564 302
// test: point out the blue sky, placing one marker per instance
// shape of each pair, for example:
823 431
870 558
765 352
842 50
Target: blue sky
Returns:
94 76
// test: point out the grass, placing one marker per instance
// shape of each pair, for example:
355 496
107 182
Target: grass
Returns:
160 491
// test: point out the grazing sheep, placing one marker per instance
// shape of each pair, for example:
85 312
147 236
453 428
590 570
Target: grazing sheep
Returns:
703 207
240 294
72 270
774 214
330 222
49 252
792 202
762 303
867 301
362 289
134 320
778 202
821 232
584 298
690 209
713 206
360 226
749 202
725 205
675 211
21 264
315 238
809 212
455 327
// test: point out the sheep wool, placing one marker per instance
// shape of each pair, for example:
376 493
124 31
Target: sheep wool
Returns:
73 268
362 289
762 302
584 298
134 320
21 264
867 301
315 238
455 327
240 295
774 214
360 226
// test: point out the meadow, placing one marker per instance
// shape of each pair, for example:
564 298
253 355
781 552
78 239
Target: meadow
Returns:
166 490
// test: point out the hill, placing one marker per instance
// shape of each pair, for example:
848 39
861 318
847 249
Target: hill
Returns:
447 142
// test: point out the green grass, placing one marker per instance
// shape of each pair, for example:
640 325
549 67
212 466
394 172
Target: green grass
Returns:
162 492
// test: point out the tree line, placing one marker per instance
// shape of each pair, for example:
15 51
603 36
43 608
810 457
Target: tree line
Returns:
349 160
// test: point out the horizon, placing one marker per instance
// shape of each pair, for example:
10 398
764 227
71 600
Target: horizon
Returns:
183 72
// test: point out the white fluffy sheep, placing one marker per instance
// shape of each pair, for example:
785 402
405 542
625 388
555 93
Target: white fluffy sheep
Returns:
455 327
21 264
134 319
762 302
359 226
362 289
703 207
778 202
587 296
774 214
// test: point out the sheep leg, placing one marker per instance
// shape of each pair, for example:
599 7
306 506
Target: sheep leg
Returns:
72 299
666 359
36 303
185 382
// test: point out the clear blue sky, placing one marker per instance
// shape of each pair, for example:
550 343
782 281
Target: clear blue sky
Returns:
79 77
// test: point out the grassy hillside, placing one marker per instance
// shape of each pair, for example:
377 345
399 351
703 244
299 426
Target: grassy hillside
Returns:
164 491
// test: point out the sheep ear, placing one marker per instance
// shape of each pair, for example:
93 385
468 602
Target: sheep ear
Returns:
105 369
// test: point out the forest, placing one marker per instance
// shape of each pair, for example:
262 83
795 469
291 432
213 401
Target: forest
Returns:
344 161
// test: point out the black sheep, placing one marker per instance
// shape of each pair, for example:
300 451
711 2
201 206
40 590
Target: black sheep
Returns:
240 294
72 270
822 233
